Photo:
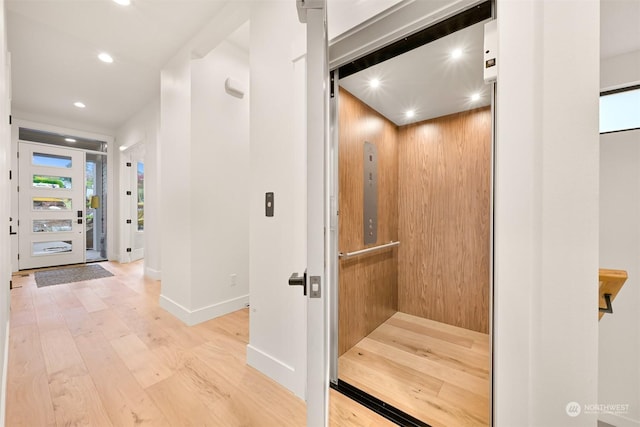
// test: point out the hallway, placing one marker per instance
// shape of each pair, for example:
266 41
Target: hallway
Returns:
102 353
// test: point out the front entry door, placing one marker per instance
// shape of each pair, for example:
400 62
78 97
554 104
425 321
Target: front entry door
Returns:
51 206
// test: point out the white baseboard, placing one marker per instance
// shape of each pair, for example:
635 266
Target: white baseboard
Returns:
5 367
152 273
618 420
274 369
199 315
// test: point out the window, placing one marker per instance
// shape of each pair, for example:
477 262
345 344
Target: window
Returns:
42 181
51 204
52 225
140 179
51 160
620 110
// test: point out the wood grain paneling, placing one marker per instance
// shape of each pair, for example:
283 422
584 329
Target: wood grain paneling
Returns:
444 188
368 284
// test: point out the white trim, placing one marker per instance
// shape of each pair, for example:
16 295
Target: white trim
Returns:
274 369
152 273
618 420
5 369
199 315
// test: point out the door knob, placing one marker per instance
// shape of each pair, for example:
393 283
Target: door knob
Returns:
297 280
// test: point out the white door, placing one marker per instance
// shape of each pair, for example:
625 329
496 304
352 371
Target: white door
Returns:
52 205
314 14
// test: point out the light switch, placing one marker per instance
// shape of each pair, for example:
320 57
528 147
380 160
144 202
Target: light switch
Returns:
269 204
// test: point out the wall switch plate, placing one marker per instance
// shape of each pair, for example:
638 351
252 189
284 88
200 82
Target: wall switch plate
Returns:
315 290
268 203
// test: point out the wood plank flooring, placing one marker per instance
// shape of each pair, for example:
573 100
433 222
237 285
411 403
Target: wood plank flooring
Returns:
436 372
103 353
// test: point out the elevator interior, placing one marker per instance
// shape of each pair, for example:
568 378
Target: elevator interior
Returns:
414 232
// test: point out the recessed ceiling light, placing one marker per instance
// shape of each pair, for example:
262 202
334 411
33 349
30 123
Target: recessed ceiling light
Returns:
79 104
70 140
105 57
374 83
410 114
456 53
123 2
475 97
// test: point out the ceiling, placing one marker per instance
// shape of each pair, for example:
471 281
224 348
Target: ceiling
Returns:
54 46
619 27
426 80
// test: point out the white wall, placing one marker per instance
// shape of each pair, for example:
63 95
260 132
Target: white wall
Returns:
175 182
204 180
219 178
619 350
143 128
546 230
277 340
620 70
619 346
5 194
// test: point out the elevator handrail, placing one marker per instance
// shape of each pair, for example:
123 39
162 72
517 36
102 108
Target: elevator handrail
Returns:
367 250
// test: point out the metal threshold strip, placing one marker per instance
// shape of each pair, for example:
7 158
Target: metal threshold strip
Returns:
385 410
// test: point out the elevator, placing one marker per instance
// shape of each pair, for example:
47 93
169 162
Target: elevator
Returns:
412 132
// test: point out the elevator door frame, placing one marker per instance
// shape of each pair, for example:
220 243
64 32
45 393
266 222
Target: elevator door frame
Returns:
333 171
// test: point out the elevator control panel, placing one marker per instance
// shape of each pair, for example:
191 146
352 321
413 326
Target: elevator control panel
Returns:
370 208
490 51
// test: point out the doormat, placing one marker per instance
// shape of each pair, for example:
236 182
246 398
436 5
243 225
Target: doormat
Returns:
70 275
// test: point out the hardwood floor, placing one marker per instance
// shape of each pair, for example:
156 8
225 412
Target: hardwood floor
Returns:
435 372
103 353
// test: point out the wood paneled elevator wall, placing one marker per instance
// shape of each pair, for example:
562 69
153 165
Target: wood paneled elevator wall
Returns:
368 293
444 194
433 196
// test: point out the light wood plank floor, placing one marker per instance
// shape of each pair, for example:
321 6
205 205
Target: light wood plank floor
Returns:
103 353
435 372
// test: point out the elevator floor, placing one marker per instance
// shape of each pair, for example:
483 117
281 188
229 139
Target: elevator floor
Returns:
435 372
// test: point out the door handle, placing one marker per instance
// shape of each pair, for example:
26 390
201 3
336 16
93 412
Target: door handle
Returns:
11 232
296 280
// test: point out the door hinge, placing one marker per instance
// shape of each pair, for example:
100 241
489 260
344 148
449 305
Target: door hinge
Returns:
128 164
18 188
128 193
9 118
128 221
10 284
18 257
128 249
9 175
